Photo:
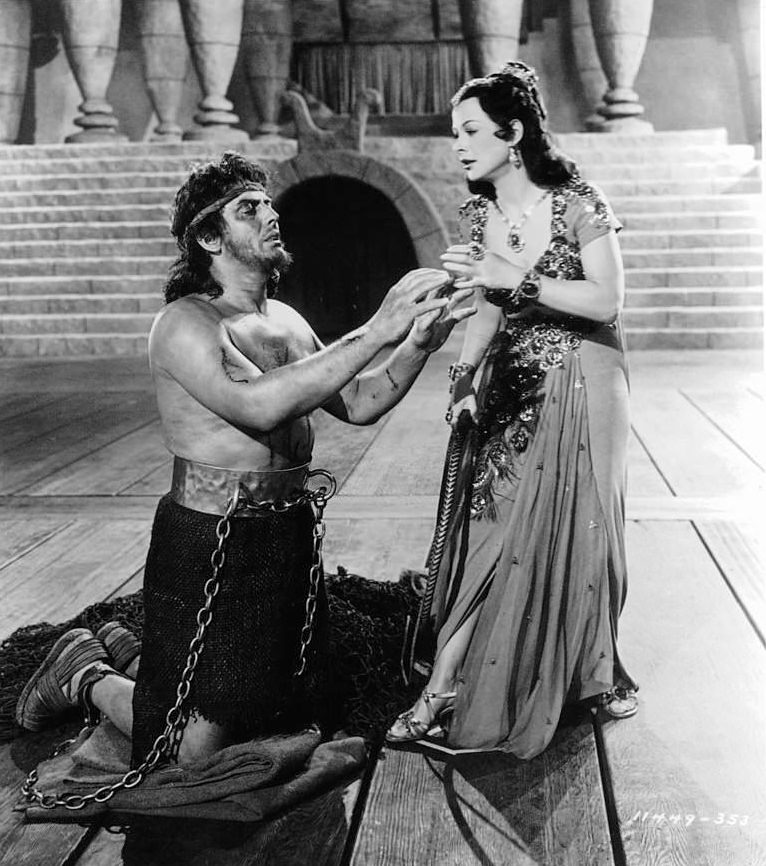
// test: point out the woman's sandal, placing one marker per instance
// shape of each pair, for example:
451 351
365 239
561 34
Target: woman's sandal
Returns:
407 728
619 702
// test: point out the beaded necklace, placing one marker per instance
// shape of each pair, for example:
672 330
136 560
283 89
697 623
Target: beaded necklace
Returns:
514 240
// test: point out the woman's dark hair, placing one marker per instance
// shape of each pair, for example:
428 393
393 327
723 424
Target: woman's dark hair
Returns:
509 95
208 182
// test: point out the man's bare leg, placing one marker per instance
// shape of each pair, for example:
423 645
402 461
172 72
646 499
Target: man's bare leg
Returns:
113 696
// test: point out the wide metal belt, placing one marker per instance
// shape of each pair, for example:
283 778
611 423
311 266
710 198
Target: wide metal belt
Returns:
207 488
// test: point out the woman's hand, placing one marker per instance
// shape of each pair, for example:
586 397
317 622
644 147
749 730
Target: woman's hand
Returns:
465 404
491 271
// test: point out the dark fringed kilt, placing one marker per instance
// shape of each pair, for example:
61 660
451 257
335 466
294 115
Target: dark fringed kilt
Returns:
245 677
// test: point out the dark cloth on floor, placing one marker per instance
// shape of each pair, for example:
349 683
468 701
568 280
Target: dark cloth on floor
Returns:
245 676
245 782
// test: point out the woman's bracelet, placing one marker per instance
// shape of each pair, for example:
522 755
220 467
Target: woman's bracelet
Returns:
457 371
529 288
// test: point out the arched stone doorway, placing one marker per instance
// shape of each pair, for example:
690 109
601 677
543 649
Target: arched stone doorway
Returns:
350 245
355 225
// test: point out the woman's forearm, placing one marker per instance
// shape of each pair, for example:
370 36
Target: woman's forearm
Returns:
479 332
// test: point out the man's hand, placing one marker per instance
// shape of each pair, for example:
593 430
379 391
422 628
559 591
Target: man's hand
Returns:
490 272
430 330
414 295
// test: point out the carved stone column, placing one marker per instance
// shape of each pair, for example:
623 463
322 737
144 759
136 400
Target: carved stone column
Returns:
620 29
213 31
165 58
267 43
749 26
587 62
491 31
15 33
91 32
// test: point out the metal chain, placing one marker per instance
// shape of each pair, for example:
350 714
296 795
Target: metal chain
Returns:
175 718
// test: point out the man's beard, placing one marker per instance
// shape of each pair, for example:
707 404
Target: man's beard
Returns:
278 260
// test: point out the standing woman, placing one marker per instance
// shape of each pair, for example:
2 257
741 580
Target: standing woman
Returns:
532 579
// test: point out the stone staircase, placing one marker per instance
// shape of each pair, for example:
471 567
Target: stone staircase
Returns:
84 243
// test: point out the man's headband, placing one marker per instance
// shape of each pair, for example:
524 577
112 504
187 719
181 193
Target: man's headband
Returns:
223 201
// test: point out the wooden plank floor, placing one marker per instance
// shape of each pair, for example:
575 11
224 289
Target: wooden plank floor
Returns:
81 467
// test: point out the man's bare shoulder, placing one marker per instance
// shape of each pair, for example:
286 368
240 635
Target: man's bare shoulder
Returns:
183 323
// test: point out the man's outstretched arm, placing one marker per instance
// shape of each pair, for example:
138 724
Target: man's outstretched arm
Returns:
371 394
190 344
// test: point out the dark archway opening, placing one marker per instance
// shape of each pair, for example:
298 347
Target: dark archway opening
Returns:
350 245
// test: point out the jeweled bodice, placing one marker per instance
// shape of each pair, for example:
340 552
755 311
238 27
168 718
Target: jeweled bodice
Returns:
530 344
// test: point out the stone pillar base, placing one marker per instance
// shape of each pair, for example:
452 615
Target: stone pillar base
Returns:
224 134
623 125
96 136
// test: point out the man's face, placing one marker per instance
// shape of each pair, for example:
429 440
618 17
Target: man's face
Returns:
251 231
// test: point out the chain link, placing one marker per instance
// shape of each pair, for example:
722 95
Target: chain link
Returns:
175 719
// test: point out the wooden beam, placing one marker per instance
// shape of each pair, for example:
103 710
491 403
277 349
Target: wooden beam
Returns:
435 809
687 770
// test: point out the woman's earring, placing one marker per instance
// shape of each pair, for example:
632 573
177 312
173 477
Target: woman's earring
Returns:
514 157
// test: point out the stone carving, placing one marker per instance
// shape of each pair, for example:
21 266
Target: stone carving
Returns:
350 136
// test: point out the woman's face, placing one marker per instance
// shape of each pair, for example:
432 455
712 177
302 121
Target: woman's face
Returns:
482 154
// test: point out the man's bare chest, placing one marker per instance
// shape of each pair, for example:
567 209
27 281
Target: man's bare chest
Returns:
268 344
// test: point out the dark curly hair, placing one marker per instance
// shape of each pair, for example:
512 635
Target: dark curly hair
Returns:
509 95
190 273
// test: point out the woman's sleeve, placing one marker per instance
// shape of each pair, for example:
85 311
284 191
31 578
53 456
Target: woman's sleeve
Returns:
593 215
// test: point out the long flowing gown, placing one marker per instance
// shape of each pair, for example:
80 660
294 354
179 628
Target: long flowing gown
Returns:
536 540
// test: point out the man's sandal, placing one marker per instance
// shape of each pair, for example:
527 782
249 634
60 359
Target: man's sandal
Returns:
407 728
48 694
122 645
619 702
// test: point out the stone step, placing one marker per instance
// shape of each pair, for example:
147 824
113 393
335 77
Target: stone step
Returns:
94 323
702 185
74 231
650 224
640 249
384 149
96 284
72 345
101 213
448 199
54 183
692 297
445 166
424 163
120 198
691 221
701 277
586 143
265 147
115 344
685 239
694 338
111 247
694 317
276 146
38 305
691 257
86 266
142 301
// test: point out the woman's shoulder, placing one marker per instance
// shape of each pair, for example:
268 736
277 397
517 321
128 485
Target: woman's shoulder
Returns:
585 199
